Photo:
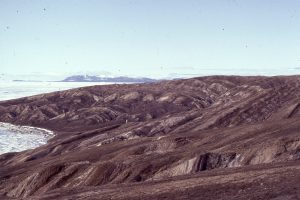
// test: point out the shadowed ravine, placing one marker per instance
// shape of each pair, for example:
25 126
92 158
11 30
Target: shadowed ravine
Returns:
204 138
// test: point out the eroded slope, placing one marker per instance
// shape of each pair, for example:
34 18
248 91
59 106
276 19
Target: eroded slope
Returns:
156 135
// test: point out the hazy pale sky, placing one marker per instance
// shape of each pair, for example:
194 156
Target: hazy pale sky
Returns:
149 37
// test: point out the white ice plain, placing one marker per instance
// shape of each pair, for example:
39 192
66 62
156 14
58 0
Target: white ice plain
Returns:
12 90
19 138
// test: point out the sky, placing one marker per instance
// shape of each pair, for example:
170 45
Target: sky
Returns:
155 38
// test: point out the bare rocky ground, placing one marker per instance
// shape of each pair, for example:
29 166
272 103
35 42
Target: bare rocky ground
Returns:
219 137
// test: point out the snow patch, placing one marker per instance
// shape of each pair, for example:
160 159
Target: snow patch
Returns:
19 138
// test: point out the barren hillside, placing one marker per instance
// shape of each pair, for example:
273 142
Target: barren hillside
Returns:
218 137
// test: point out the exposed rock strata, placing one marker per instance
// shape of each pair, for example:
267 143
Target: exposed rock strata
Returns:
217 137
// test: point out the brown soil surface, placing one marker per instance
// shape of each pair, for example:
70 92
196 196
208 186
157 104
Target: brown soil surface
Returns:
218 137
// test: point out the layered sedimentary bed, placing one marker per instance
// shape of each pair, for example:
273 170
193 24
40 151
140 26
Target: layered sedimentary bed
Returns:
203 138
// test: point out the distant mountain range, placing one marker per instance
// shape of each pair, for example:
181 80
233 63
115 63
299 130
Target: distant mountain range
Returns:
87 78
74 78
